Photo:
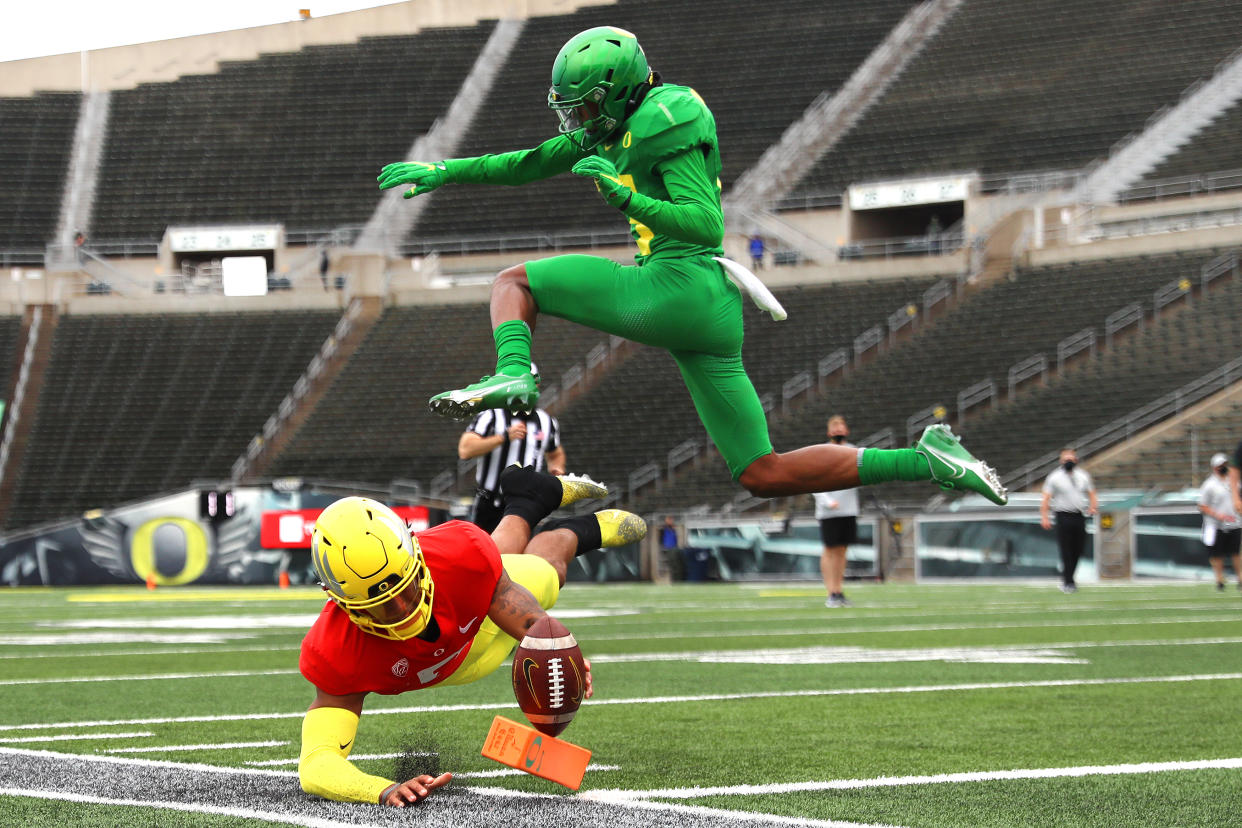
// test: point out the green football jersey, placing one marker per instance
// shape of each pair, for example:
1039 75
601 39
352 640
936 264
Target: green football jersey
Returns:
652 147
671 120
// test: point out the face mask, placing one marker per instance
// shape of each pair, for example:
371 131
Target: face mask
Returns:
1068 465
837 438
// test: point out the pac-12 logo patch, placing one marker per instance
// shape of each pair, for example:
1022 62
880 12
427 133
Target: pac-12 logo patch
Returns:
401 668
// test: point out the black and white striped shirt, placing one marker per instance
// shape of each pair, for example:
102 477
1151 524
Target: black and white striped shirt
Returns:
543 434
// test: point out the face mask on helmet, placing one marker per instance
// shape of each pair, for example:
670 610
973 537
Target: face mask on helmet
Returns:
594 78
372 567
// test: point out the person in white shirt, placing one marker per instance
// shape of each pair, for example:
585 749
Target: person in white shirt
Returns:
1222 530
837 513
1069 492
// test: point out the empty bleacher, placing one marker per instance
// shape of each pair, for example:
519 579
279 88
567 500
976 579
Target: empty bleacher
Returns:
373 425
1182 459
295 138
646 411
756 69
135 405
34 160
1024 85
1172 350
1218 147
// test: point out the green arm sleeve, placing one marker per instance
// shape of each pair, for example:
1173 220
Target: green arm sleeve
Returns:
552 157
693 215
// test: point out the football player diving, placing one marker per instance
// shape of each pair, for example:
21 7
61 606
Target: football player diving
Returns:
651 149
443 606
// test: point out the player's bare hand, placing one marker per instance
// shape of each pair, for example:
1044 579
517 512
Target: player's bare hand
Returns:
517 431
590 686
1045 522
424 176
415 790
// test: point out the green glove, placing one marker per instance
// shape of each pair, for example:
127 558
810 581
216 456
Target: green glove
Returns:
425 177
607 180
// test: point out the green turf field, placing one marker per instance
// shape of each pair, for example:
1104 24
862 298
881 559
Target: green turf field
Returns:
932 705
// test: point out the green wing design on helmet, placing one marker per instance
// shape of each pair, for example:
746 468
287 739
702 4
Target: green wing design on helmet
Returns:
594 78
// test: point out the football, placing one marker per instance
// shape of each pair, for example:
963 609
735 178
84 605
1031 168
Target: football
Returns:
549 677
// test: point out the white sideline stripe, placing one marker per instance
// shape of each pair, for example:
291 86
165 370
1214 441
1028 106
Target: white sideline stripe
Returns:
244 813
146 763
154 677
95 653
508 705
262 763
215 746
820 629
735 817
618 794
72 737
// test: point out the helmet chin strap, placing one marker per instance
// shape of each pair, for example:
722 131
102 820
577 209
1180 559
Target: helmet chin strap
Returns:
640 92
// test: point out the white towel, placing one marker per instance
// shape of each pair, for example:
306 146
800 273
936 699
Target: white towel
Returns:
751 284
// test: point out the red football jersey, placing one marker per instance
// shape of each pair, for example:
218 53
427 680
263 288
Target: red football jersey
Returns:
339 658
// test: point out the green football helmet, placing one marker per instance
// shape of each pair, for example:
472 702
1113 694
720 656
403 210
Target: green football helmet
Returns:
594 78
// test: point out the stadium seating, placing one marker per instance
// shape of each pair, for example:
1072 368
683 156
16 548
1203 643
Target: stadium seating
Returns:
757 71
981 338
1171 351
136 405
34 159
1025 85
373 424
1181 460
1218 147
657 415
294 138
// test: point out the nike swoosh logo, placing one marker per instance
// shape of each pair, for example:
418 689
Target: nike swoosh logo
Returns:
468 625
347 744
607 147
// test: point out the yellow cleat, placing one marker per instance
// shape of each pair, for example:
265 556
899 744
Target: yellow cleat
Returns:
618 527
575 487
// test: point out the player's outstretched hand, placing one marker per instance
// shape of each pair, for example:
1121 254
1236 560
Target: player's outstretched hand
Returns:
423 175
415 790
607 179
590 687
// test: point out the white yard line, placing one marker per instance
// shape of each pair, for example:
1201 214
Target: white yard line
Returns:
509 705
213 746
96 653
152 677
73 737
244 813
820 628
620 795
736 817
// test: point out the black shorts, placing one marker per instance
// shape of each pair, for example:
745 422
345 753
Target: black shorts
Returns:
1227 544
838 531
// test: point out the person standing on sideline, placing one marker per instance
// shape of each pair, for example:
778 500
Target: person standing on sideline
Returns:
837 513
1070 493
1222 530
500 439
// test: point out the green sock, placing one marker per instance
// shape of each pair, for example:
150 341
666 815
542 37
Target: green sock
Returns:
883 465
512 348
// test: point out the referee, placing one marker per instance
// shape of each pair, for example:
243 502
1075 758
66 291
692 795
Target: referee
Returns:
501 439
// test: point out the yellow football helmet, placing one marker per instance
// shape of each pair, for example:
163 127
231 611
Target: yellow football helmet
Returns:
372 567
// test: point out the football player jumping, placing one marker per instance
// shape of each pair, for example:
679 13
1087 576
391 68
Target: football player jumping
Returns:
651 149
444 606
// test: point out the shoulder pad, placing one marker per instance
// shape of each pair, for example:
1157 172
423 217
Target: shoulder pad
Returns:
671 120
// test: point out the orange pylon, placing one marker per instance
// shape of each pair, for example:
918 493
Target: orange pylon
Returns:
284 579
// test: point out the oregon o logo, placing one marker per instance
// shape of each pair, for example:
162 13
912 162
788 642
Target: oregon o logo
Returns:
627 140
169 534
